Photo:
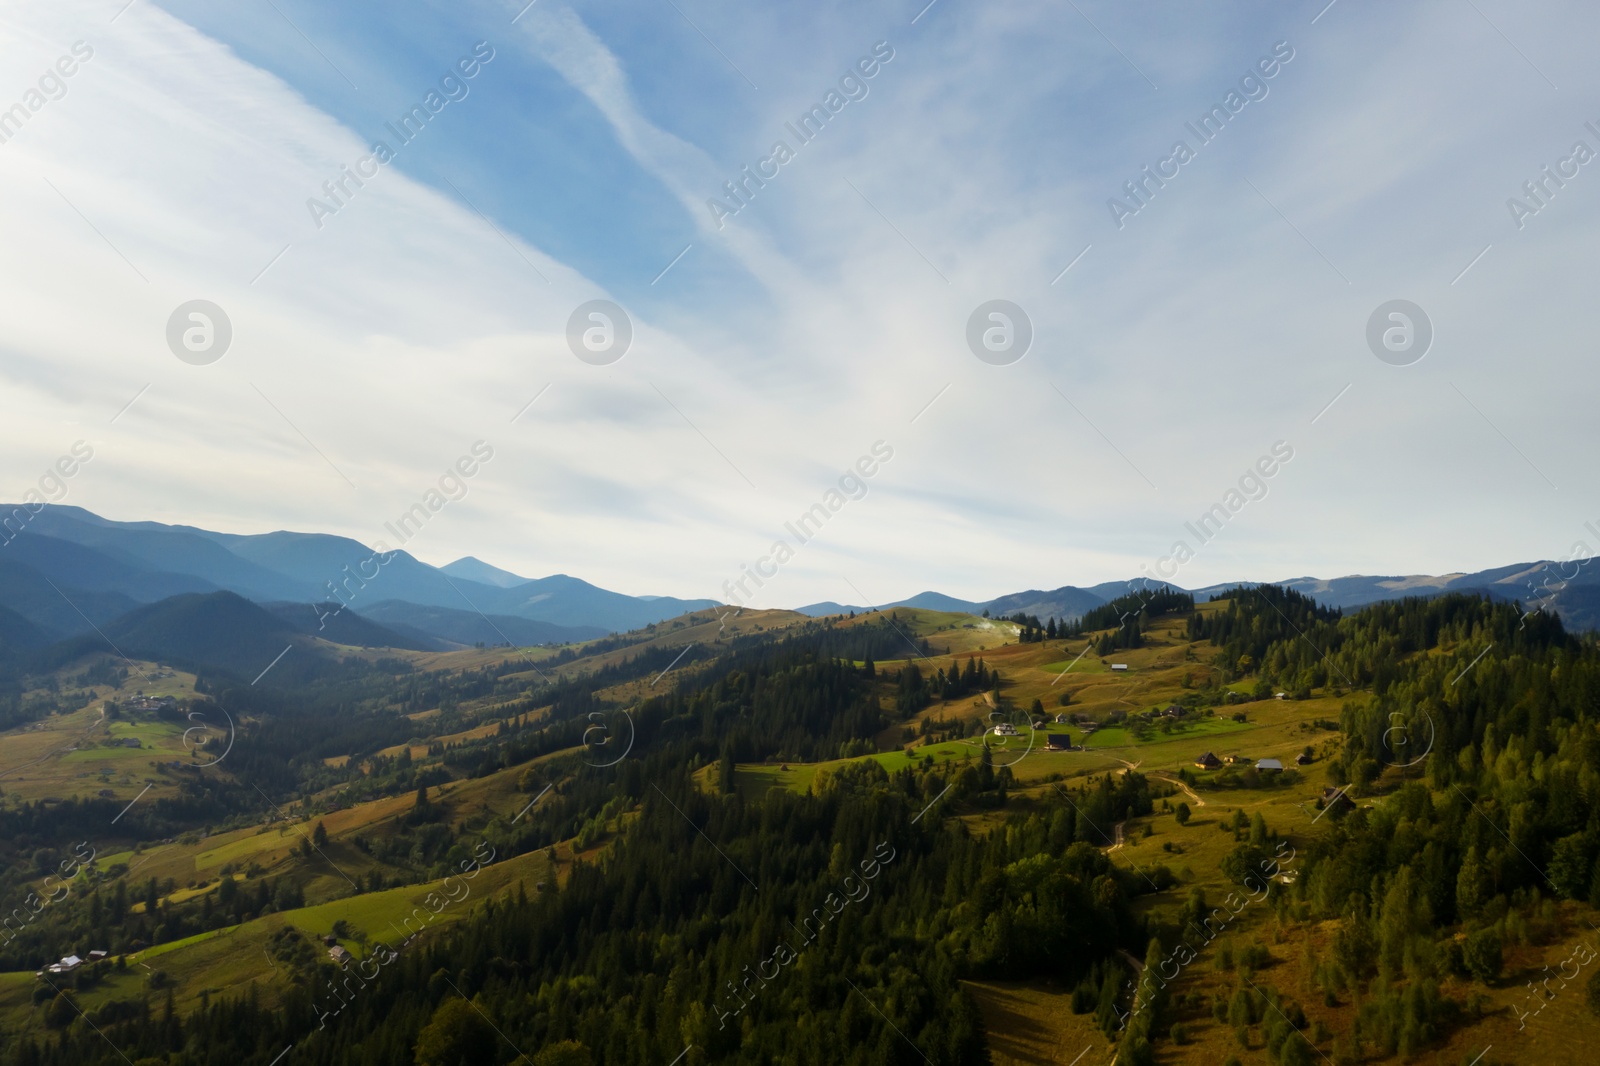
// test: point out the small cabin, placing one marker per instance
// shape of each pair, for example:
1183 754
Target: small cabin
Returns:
1058 742
1302 759
1270 765
338 955
1119 666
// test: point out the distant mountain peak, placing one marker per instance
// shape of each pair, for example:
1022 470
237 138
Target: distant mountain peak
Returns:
471 568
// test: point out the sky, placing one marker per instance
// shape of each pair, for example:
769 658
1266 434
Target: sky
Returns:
822 343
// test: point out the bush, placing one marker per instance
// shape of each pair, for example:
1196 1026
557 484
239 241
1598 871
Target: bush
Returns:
1295 1052
1483 956
1180 1033
1240 1012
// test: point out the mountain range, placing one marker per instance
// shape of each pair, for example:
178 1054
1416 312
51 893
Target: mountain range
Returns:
66 571
1571 589
71 581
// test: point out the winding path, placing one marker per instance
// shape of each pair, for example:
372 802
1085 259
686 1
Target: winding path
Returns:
1191 793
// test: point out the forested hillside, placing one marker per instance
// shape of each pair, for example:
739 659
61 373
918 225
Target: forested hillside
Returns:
796 844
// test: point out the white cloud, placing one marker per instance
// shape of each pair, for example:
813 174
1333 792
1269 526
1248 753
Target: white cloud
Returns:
1206 329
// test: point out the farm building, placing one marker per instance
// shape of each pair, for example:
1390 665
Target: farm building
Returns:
1208 761
1119 666
1267 765
1058 742
1336 797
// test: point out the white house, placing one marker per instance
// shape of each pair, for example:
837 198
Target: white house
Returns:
1119 666
1006 729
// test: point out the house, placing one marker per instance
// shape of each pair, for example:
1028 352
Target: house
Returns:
1119 666
67 964
1235 759
1063 718
96 956
1174 711
1005 729
1269 765
338 955
1336 797
1208 761
1058 742
1302 759
1280 695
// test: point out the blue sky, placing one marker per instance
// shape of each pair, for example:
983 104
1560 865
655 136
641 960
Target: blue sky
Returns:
1227 314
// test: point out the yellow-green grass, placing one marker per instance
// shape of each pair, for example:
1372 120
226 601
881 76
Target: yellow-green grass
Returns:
1032 1024
63 754
1184 729
225 961
276 846
1088 664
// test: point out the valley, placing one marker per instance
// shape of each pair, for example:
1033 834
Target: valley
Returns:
303 851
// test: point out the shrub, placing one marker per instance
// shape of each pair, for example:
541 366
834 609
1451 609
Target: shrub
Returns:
1240 1013
1483 956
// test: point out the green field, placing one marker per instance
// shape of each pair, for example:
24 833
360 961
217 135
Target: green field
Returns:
1122 736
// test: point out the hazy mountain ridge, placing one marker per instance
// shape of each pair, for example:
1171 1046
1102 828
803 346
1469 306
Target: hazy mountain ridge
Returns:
70 571
465 627
105 568
1571 589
